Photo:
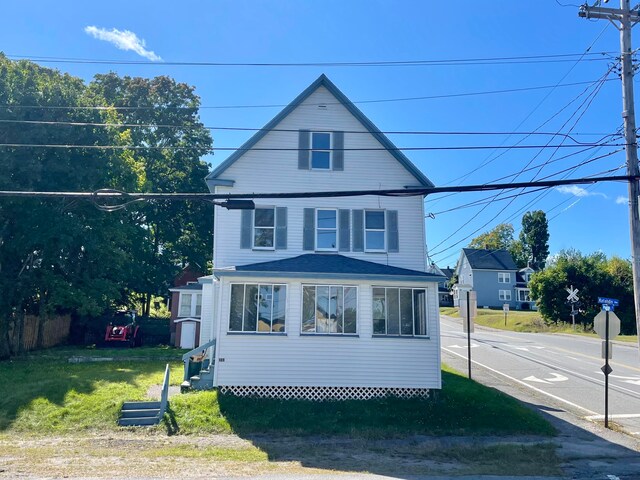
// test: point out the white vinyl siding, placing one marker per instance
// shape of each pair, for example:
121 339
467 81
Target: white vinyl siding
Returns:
295 359
504 295
504 277
370 169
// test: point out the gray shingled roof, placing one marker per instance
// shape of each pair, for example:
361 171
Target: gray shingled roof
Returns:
332 264
481 259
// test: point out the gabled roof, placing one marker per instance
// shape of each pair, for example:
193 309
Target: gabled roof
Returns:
322 81
481 259
329 266
448 272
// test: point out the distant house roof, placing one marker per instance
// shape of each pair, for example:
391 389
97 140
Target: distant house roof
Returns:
214 177
448 272
188 286
481 259
328 266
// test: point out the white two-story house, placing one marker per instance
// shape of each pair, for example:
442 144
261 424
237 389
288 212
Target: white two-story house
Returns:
321 297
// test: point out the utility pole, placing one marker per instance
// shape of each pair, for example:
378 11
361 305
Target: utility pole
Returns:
624 19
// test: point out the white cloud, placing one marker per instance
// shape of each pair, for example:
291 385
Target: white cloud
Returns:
578 191
622 200
124 40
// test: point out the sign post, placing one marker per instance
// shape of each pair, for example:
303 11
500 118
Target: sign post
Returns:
505 307
573 299
468 311
607 325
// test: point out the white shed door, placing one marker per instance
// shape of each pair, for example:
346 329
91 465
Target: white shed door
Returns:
188 335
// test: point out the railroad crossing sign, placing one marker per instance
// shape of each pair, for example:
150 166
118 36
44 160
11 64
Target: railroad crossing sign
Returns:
573 294
600 328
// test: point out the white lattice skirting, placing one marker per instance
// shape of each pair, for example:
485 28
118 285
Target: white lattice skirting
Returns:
323 393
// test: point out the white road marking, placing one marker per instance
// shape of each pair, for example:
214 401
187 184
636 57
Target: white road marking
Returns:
473 345
621 415
635 380
555 377
555 397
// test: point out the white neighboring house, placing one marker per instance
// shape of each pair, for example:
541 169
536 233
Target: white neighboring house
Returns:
321 297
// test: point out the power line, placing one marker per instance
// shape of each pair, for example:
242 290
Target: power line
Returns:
530 59
282 105
293 130
292 149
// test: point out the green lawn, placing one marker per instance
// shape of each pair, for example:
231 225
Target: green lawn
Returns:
49 395
526 321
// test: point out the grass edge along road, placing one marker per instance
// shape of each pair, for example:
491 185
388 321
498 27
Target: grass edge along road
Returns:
56 401
526 321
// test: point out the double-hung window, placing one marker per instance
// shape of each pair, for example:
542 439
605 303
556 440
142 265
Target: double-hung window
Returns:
327 229
399 311
257 308
320 151
264 228
504 295
329 309
190 306
374 230
523 296
504 277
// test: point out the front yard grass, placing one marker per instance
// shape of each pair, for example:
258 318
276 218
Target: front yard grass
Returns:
58 412
526 321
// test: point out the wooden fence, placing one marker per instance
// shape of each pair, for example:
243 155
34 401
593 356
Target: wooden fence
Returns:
40 332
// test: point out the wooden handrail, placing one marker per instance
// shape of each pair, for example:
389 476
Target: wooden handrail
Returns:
186 358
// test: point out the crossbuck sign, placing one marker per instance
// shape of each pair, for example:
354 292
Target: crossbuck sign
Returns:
573 294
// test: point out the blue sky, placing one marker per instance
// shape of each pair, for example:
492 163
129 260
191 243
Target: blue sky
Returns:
588 219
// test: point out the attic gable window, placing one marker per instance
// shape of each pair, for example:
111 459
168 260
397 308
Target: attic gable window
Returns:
320 151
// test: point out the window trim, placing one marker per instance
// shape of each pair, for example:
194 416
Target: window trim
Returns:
504 275
253 227
317 230
505 299
413 320
244 297
328 334
527 294
383 230
311 150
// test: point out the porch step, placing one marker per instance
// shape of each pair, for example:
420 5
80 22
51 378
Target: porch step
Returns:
139 414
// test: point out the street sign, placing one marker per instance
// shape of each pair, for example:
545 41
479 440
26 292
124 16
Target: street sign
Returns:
608 301
606 369
573 294
505 307
604 350
463 305
600 328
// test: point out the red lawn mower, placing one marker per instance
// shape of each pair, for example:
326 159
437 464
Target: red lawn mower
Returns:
123 330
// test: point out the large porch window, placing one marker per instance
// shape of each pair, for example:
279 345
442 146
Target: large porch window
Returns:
331 309
257 308
400 311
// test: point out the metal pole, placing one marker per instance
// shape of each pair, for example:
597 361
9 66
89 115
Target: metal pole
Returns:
606 371
629 116
469 332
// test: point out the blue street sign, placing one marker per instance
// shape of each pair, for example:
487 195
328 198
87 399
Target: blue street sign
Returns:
608 301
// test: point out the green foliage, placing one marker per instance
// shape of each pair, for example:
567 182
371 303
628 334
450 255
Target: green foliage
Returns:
534 239
500 237
594 275
63 256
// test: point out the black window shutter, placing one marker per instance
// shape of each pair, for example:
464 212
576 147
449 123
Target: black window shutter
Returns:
246 224
303 149
358 230
344 235
393 241
281 228
309 229
338 151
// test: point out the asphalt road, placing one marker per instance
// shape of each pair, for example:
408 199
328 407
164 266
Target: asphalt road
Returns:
565 369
